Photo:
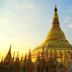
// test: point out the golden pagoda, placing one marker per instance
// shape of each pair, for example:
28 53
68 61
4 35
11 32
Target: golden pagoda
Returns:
55 42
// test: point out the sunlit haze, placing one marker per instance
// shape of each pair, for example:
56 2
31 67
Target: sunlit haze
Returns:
25 23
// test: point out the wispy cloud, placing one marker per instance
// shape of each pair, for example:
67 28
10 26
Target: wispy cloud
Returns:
67 19
70 26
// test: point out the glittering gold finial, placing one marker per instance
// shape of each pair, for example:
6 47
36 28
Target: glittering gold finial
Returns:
55 8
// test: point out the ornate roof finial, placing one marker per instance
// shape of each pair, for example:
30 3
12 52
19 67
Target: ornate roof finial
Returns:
55 5
55 20
9 52
55 8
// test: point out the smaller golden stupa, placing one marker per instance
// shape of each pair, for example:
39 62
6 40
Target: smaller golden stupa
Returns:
55 44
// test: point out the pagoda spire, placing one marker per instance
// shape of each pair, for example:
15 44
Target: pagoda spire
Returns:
8 56
55 33
55 39
29 56
9 52
55 20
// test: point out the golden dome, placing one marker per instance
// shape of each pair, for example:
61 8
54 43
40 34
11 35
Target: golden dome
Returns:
55 39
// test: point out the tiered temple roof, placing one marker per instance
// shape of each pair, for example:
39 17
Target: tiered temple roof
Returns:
55 39
55 46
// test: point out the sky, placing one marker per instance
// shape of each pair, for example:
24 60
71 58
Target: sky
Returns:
25 23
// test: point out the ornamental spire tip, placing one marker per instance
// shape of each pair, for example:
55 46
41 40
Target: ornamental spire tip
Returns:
55 8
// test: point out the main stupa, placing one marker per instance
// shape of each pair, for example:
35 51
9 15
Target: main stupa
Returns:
55 42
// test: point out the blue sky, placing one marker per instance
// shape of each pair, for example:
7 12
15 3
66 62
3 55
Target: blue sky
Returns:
25 23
